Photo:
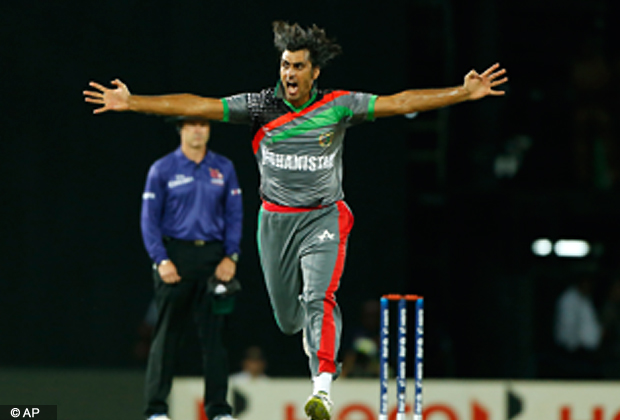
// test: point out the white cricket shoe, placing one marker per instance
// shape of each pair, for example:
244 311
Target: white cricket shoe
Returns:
159 417
224 417
319 406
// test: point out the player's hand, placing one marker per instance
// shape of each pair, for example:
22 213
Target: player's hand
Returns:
481 85
226 269
168 272
111 99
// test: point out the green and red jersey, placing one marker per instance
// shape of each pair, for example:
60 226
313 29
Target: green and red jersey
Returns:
299 150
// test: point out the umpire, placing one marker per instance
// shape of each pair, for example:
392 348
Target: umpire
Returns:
191 226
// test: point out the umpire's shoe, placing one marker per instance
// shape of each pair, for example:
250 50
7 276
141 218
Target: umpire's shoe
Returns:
319 406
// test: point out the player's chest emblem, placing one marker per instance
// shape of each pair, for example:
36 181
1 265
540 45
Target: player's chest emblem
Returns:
217 177
325 139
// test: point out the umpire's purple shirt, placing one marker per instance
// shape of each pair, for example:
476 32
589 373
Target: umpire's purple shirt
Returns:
190 201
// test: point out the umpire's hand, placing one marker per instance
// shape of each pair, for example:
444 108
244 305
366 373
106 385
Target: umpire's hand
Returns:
168 272
226 269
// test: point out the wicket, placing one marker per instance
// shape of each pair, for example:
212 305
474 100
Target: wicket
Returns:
401 374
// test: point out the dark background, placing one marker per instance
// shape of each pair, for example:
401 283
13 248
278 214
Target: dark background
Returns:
74 276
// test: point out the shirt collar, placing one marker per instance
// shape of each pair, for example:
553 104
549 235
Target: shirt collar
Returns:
279 93
181 156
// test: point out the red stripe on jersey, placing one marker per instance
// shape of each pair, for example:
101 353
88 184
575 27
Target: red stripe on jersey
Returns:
327 348
290 116
286 209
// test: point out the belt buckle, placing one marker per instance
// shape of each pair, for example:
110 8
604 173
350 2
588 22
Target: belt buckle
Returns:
199 242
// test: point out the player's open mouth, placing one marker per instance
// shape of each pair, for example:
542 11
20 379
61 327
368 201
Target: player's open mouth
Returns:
292 88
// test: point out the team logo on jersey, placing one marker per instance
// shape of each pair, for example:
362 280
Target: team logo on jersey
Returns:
325 139
216 176
326 236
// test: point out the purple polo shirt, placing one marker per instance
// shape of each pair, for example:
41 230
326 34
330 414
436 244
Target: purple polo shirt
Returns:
190 201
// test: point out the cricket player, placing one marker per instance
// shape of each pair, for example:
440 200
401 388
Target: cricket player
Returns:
297 138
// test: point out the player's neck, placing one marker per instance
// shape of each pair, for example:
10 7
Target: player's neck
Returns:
195 154
298 103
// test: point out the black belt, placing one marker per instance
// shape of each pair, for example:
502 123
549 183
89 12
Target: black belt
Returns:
195 242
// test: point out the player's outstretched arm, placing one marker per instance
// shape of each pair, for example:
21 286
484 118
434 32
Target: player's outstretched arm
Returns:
120 99
475 86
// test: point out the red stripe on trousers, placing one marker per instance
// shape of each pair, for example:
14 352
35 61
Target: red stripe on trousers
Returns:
326 353
290 116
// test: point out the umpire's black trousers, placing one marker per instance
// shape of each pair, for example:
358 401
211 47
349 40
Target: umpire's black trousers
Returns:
176 304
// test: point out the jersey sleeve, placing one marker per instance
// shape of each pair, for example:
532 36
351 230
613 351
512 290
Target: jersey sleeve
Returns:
233 212
150 218
236 109
360 106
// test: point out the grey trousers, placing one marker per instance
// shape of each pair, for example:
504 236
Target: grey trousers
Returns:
302 253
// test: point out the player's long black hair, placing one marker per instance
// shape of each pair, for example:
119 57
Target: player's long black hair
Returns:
293 37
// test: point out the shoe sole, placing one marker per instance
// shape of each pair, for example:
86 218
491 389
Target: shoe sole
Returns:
315 409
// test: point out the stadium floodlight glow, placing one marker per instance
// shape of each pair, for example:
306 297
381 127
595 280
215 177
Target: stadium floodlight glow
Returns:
575 248
542 247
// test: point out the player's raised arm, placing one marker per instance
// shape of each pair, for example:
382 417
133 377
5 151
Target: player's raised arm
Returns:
475 86
120 99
